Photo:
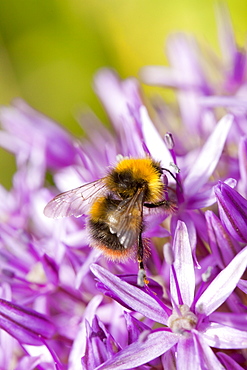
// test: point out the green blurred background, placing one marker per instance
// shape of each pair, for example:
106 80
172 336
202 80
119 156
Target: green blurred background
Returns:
50 49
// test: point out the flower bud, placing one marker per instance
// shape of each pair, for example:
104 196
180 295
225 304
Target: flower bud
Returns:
233 211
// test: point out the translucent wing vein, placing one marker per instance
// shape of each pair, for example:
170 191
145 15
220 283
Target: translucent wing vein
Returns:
75 202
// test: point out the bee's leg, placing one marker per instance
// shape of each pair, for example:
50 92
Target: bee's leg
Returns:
169 206
163 202
141 278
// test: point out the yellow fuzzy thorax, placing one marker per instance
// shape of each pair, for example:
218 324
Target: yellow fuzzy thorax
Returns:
144 169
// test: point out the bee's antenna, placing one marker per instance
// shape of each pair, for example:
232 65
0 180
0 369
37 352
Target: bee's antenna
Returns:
174 177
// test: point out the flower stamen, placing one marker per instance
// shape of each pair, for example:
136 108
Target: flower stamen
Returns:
182 319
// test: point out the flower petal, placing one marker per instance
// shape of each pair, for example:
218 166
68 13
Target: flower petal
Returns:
221 336
221 244
233 211
184 267
21 119
206 354
203 199
208 158
29 363
223 285
79 344
243 285
187 356
134 297
124 93
153 140
228 362
242 155
100 346
224 101
141 352
207 197
134 327
25 325
235 320
124 112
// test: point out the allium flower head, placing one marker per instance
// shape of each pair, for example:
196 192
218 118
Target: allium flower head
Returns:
63 305
189 325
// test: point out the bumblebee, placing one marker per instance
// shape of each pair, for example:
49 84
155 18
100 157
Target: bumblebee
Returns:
114 205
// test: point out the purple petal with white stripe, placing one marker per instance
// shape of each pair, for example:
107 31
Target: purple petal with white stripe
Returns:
223 285
208 158
184 267
142 351
134 297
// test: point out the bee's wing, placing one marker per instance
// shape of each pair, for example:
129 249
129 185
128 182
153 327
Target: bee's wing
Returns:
74 202
126 220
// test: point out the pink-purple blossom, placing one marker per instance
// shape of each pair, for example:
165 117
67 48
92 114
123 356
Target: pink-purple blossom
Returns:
63 305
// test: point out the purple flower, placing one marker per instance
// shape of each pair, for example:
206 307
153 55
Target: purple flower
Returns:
100 345
190 326
53 314
29 328
242 155
26 129
233 211
191 75
223 247
26 325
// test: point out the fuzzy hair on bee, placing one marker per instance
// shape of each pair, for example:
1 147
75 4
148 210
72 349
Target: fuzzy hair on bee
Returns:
114 205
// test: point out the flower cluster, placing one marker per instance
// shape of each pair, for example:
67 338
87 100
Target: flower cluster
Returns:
63 305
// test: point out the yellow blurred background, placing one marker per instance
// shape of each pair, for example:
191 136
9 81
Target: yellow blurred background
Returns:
50 49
